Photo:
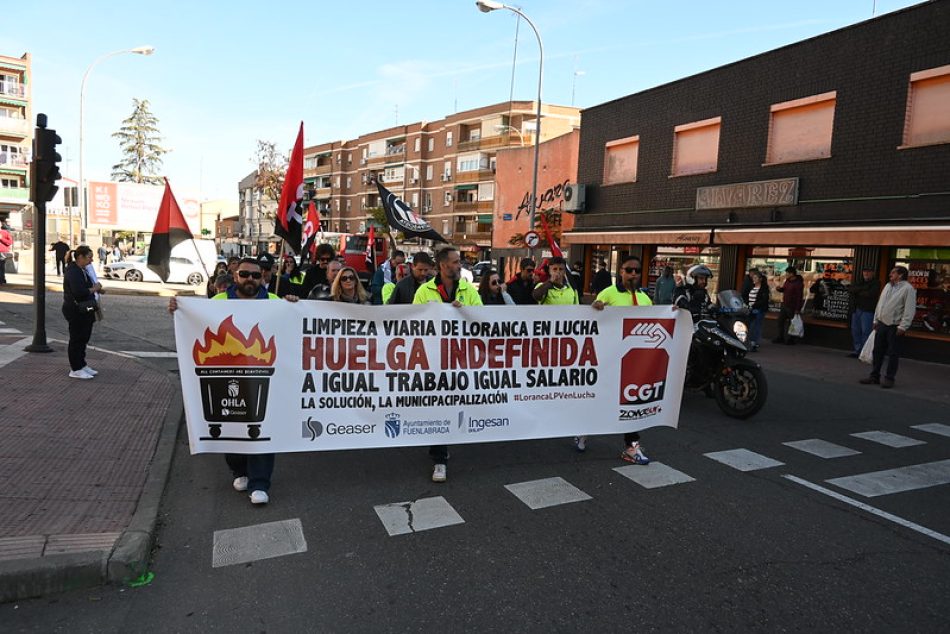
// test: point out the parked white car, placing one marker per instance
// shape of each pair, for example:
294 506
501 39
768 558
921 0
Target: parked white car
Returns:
135 269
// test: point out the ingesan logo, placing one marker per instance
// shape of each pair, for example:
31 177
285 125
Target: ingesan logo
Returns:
643 368
392 425
234 371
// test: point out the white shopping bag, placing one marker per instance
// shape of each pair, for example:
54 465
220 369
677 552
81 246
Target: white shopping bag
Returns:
796 328
867 352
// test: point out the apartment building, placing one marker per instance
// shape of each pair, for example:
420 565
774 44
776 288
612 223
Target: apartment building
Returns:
444 170
16 136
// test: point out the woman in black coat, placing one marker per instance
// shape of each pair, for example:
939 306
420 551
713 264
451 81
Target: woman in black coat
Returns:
757 297
78 288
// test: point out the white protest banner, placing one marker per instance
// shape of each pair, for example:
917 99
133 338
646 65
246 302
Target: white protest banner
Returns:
274 376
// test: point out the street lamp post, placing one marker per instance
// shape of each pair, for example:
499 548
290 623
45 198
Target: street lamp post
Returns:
486 6
502 128
83 206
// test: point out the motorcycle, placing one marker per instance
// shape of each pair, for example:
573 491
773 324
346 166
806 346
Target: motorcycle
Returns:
717 361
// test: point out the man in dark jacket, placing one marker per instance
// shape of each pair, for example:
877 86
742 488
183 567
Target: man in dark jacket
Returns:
419 274
601 279
521 286
863 293
61 249
793 300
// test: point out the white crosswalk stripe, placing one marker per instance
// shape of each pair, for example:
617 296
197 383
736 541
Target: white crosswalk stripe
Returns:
10 331
934 428
260 541
888 481
895 441
821 448
402 518
13 351
743 459
539 494
654 475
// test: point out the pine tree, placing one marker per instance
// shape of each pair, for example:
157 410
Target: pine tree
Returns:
139 141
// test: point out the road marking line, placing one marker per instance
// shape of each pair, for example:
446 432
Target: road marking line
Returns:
654 475
743 459
870 509
11 352
888 439
402 518
821 448
260 541
899 480
97 349
145 354
540 494
934 428
10 331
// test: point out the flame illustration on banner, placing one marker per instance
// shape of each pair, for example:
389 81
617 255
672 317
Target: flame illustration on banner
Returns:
229 347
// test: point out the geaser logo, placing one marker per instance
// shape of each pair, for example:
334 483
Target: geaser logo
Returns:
392 425
643 368
313 429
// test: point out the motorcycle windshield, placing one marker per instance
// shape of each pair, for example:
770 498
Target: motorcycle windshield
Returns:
730 302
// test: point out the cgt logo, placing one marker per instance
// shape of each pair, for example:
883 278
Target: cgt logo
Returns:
643 368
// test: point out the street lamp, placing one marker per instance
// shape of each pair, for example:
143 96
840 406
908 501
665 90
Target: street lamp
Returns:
486 6
83 208
502 128
577 73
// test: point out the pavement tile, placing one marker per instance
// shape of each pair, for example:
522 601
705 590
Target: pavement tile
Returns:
22 547
62 544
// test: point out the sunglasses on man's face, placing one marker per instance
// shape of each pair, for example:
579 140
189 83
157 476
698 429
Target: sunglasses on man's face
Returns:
631 269
347 278
256 275
494 283
325 259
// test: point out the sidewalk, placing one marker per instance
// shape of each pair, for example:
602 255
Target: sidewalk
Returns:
54 283
83 466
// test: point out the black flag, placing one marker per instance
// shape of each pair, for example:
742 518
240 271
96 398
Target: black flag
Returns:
402 218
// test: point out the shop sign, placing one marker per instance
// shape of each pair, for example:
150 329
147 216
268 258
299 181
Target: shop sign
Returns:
774 193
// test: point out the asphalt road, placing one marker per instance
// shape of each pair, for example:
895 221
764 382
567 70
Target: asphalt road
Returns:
727 551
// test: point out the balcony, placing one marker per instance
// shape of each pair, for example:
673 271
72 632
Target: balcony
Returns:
396 154
481 206
15 195
474 176
13 89
18 127
507 139
15 160
321 193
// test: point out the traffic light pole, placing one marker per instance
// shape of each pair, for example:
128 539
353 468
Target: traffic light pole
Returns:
44 172
39 280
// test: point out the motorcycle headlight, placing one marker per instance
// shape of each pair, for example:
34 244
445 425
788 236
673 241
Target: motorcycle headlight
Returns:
741 331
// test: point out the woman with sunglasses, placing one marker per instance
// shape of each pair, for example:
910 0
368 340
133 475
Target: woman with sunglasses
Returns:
347 287
493 292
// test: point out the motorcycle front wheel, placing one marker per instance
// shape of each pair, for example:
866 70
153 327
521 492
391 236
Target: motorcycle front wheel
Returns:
741 391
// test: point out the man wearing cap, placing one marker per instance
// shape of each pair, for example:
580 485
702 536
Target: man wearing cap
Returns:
863 293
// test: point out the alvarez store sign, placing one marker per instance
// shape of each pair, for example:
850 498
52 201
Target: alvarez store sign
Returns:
262 377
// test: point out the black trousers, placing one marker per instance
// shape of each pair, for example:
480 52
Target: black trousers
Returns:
886 343
257 468
80 330
784 321
60 265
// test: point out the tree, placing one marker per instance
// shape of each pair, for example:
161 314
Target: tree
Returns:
271 169
139 142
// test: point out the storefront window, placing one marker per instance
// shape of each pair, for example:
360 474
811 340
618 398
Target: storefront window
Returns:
681 259
929 273
827 272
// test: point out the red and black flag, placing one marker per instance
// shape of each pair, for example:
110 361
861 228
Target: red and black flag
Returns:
310 230
289 224
170 229
371 250
401 217
555 247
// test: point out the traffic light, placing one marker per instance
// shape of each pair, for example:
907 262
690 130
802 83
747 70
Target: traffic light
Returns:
44 171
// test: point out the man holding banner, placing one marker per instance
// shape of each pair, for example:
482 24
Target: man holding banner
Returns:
446 287
625 293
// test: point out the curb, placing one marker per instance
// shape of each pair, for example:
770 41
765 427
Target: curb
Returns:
36 577
161 291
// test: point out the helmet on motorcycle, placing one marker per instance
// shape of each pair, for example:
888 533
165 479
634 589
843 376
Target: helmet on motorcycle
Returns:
699 270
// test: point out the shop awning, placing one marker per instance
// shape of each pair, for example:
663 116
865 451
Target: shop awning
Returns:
485 219
669 236
13 101
463 187
897 236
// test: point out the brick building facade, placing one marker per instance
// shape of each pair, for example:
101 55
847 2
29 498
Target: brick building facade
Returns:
829 154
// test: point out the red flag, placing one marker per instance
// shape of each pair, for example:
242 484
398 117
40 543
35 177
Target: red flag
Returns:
371 250
170 229
555 249
310 229
289 224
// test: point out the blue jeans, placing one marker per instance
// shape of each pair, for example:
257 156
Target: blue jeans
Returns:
862 322
755 328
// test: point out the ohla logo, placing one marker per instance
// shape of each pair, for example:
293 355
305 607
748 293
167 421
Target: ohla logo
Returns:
643 368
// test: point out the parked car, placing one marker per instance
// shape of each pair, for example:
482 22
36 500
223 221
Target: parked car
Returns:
480 269
135 269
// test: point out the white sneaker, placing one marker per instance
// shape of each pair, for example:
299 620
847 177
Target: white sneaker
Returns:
240 484
438 473
580 443
79 374
89 370
259 497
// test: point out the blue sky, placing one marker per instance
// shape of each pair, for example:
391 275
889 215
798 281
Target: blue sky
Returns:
225 74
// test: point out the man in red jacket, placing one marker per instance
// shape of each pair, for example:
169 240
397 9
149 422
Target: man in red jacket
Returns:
6 250
793 296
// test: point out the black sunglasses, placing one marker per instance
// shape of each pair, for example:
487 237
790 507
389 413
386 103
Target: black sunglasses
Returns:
325 259
494 283
252 274
631 269
347 278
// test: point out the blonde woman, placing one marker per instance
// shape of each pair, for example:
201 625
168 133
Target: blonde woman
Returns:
347 287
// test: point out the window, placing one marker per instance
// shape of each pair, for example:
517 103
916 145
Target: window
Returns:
827 272
431 144
418 144
927 121
338 182
426 201
348 205
349 158
446 228
472 162
428 172
349 182
475 134
620 160
447 170
800 130
447 199
338 205
486 191
696 147
415 200
448 139
310 163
